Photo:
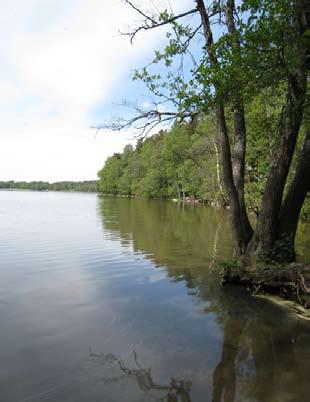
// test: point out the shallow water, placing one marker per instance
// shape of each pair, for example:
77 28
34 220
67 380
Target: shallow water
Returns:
107 299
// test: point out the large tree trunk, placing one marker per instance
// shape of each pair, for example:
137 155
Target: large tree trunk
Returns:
239 127
239 163
268 220
266 233
240 236
293 203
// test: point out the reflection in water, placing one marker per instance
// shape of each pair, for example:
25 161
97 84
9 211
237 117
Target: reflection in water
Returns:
180 238
224 377
262 364
176 391
265 354
215 244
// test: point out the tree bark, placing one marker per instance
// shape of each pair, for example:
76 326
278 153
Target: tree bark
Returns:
293 202
178 189
239 127
239 236
266 233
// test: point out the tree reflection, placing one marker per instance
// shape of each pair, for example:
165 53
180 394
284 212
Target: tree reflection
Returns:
174 391
224 376
265 355
259 361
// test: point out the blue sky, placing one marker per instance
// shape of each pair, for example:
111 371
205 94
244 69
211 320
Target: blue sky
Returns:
63 68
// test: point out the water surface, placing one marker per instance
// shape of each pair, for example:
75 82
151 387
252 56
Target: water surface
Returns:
106 299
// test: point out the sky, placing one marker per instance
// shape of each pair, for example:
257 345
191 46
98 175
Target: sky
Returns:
64 68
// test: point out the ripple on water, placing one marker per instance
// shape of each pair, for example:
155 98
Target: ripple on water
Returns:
115 300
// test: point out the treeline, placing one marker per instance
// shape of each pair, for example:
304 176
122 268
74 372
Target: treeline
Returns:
184 162
167 165
89 186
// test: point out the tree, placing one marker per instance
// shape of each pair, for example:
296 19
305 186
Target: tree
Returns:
261 45
109 177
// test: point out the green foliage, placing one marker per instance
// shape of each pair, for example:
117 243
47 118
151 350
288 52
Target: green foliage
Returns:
170 164
262 114
110 175
230 264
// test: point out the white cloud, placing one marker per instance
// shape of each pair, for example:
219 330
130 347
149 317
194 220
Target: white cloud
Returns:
60 58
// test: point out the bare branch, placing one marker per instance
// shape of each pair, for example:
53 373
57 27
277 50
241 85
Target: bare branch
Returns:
150 23
190 37
145 121
147 17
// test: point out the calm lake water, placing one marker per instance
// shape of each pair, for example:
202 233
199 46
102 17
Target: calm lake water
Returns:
112 300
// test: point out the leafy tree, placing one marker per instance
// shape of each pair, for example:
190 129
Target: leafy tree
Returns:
109 177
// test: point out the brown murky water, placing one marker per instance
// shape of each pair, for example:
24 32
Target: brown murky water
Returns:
107 299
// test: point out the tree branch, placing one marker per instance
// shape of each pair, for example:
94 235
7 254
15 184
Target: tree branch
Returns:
145 121
151 23
147 17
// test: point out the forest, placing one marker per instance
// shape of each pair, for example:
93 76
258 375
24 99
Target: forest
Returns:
90 186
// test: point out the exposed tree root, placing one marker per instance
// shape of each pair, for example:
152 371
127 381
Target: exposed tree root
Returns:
291 282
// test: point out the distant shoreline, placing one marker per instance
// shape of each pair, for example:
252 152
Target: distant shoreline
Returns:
88 186
50 191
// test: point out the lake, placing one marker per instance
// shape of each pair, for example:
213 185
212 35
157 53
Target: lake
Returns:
105 299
